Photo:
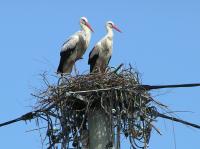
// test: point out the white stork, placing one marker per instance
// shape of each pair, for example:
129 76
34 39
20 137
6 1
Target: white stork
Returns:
74 48
101 54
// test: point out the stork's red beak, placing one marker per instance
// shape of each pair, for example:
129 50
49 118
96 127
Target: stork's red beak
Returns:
117 29
88 25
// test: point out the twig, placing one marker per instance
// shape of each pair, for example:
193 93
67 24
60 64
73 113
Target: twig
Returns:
116 70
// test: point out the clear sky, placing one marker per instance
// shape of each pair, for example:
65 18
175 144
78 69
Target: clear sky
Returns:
160 38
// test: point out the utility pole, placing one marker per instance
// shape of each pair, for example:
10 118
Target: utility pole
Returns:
100 130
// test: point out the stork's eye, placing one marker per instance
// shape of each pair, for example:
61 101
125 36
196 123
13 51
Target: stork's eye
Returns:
84 22
110 24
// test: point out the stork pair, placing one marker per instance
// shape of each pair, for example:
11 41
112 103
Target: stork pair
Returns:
74 48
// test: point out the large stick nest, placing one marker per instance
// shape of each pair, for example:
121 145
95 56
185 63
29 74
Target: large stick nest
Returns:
65 106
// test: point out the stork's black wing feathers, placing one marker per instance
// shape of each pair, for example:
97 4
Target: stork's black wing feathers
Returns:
67 49
64 55
92 59
93 62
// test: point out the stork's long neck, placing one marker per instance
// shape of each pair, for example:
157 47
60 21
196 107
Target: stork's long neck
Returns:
87 34
110 33
87 37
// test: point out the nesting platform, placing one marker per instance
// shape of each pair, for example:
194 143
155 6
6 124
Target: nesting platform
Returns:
65 107
71 110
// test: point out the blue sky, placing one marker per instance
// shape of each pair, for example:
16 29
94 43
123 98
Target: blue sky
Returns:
160 39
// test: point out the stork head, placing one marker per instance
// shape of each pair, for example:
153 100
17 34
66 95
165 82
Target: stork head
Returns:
85 24
111 25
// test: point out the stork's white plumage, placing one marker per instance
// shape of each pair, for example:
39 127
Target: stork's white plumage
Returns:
74 48
101 54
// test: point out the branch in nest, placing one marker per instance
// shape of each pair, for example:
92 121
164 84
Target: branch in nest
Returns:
117 69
